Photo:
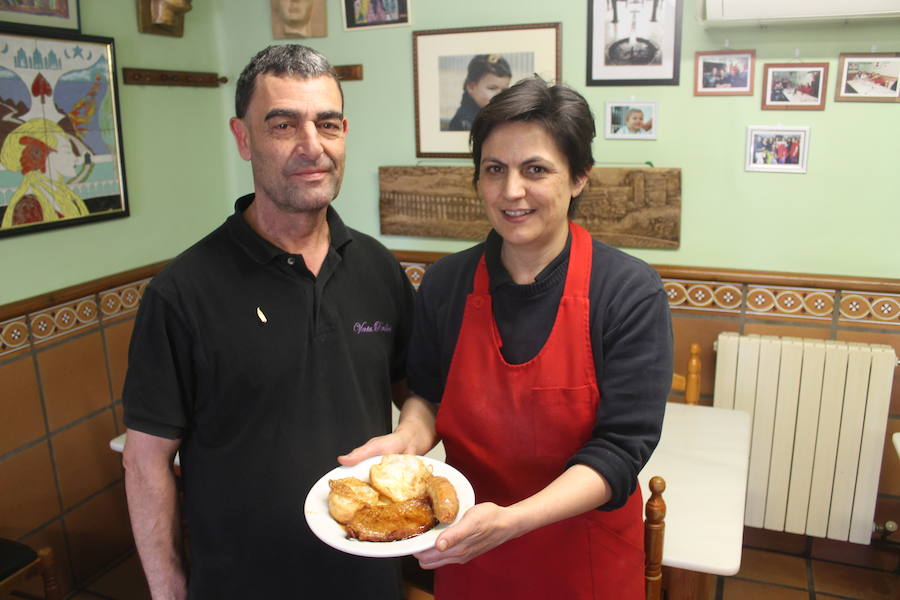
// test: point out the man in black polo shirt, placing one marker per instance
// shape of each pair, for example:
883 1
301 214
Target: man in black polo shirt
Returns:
261 354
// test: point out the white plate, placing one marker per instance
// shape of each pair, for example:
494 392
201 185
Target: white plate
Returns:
332 533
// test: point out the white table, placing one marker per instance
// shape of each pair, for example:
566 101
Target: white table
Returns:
118 444
703 454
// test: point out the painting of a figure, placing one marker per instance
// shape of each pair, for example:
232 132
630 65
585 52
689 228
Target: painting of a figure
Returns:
44 13
60 161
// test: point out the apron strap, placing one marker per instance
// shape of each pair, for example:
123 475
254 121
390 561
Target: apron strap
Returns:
578 281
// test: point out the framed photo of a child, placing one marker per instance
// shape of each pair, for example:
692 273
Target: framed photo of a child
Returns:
777 149
724 73
457 71
631 120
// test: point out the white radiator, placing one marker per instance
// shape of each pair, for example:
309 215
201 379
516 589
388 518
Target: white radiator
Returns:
819 414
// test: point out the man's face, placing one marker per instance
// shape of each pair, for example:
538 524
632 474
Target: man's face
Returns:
295 11
293 135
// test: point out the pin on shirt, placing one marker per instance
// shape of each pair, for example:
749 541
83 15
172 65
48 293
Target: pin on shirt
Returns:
261 315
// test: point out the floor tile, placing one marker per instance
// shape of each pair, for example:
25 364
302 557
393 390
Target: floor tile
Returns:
854 582
124 582
739 589
773 567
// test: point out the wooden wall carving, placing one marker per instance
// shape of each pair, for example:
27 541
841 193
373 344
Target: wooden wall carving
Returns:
634 207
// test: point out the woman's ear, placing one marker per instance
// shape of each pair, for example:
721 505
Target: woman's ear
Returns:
580 183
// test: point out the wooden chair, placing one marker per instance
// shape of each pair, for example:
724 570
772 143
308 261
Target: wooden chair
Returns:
19 563
654 530
690 383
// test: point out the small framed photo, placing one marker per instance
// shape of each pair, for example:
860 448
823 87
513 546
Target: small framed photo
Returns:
457 71
868 77
374 13
794 86
634 42
777 149
724 73
58 14
631 120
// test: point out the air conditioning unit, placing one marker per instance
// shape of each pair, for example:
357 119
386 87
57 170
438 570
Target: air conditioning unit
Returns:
736 13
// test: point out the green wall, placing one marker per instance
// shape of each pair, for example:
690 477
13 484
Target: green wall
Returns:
183 172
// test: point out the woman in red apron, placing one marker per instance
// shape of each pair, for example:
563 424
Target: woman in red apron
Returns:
550 356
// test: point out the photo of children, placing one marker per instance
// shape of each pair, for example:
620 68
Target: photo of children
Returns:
779 149
791 86
631 120
480 78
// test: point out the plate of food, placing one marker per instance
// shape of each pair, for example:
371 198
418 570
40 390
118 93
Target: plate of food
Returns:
384 506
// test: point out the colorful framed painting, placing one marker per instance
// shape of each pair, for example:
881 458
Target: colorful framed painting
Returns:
631 120
794 86
61 157
57 14
868 77
366 14
724 73
457 71
777 149
633 43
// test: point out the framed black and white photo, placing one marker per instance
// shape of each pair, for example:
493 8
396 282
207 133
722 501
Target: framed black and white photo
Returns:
631 120
868 77
777 149
635 42
359 14
724 73
794 86
457 72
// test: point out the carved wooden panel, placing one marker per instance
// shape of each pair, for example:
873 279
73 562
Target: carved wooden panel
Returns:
638 207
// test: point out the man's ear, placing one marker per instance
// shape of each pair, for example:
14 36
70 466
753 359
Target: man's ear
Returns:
241 137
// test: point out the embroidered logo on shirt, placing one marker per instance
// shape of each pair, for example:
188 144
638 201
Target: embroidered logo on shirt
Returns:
376 327
261 315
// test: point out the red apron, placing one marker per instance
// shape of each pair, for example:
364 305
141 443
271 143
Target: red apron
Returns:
511 429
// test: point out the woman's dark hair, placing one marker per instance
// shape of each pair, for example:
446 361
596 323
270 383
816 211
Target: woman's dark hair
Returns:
482 64
561 111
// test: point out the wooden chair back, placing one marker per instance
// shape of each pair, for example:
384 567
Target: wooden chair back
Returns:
689 383
42 565
654 530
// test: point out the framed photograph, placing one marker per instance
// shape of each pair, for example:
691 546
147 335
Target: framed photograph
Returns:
868 77
375 13
458 71
631 120
61 158
794 86
637 42
58 14
777 149
724 73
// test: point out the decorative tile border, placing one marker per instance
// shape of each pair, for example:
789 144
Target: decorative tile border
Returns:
62 319
414 272
123 299
798 303
866 307
13 335
703 295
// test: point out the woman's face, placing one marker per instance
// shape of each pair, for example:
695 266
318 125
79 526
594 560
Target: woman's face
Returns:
526 187
486 88
63 162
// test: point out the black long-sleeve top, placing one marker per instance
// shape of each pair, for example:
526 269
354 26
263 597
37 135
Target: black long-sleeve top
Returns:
631 337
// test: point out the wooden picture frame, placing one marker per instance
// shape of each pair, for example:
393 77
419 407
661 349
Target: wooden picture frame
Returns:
61 160
63 15
381 13
444 60
794 86
638 43
777 149
868 77
631 120
724 72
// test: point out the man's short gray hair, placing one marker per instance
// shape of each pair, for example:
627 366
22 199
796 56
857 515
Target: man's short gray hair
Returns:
292 60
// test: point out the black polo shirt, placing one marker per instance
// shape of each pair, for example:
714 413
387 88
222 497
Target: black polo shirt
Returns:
267 374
